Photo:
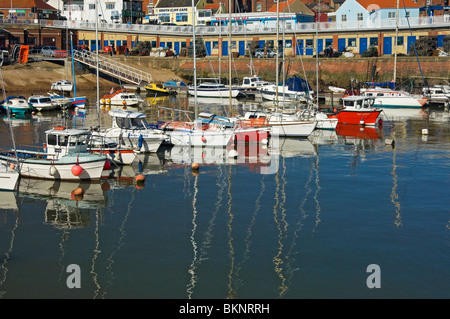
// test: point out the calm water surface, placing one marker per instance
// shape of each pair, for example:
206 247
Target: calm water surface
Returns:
302 219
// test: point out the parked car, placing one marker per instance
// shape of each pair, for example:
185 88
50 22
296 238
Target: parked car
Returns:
47 50
259 53
36 49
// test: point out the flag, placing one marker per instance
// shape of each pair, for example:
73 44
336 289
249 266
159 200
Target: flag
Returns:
112 91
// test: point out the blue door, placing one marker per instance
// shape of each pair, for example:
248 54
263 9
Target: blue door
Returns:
341 45
440 41
320 45
208 47
241 47
162 44
411 40
299 47
177 47
387 45
362 45
224 48
261 43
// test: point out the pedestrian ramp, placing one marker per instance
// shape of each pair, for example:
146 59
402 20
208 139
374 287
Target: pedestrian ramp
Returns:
113 67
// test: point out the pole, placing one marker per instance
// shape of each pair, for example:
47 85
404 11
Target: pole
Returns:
195 61
396 39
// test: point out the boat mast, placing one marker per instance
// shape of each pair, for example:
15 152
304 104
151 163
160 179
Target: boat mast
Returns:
276 55
230 50
396 41
96 47
317 55
195 61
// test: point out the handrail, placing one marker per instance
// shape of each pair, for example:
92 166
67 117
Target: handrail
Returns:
112 67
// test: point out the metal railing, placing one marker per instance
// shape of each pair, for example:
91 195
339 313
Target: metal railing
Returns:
112 67
442 21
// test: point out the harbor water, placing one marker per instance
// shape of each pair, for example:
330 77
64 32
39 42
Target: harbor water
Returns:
360 212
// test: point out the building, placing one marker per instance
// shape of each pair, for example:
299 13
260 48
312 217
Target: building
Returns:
126 11
19 10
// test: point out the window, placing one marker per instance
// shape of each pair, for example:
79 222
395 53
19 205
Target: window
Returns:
391 15
91 6
110 6
352 42
373 42
344 18
164 17
310 43
328 43
259 7
359 17
407 14
215 44
400 40
182 17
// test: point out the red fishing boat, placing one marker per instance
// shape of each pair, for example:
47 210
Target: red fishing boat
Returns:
358 110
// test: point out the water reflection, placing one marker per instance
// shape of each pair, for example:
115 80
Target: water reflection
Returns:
68 203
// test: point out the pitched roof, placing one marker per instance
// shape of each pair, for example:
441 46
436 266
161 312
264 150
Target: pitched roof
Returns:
175 3
385 4
294 6
26 4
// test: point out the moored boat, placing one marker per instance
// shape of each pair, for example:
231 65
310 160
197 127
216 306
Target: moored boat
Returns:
389 98
16 105
358 110
157 89
216 90
42 103
122 97
62 85
130 129
64 156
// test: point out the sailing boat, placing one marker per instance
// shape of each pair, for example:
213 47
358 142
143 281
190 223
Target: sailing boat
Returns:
280 123
213 133
9 174
389 97
80 101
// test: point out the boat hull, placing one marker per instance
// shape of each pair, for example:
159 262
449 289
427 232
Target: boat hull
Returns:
200 138
8 179
358 117
292 128
60 169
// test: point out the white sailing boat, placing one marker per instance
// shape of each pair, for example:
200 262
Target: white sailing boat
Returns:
9 174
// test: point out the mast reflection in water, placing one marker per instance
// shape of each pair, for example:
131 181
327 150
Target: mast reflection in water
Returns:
298 218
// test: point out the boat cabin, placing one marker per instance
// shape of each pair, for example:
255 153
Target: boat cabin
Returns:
61 141
358 102
253 82
128 120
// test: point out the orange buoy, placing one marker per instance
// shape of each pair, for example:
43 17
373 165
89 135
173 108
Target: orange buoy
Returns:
76 170
12 166
140 178
195 166
105 186
77 194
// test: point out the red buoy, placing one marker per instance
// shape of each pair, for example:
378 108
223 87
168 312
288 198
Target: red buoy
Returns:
76 170
203 139
107 165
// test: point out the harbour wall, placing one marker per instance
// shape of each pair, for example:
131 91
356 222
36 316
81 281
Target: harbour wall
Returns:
331 71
